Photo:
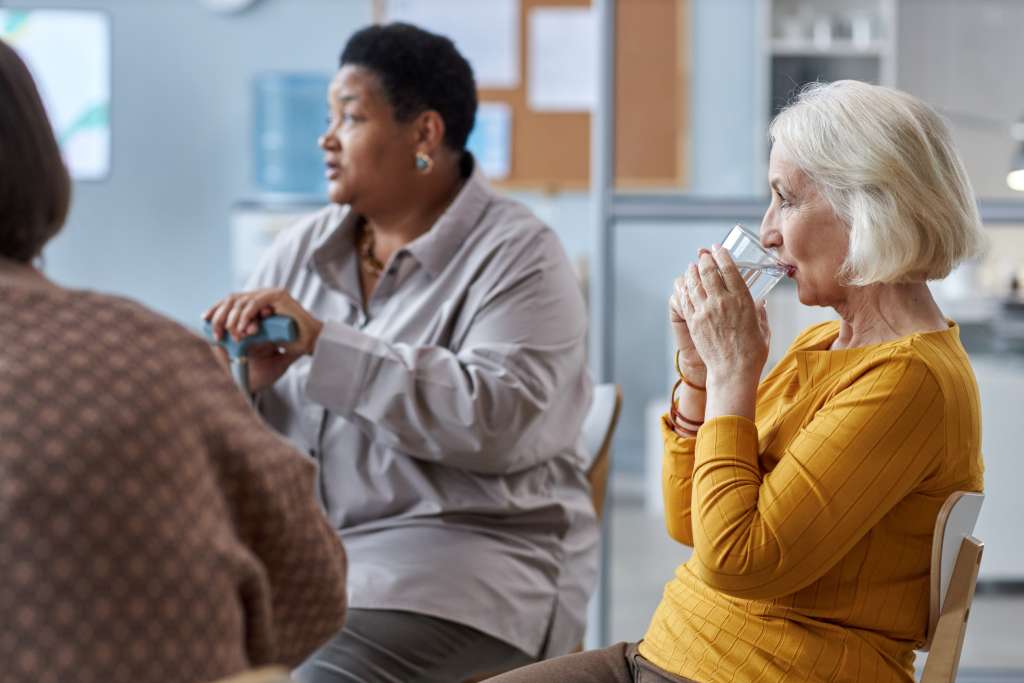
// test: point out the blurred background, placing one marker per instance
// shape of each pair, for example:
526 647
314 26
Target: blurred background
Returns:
635 128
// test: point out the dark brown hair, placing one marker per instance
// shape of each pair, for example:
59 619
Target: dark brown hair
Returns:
35 189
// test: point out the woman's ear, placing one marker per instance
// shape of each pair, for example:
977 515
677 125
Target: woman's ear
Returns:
429 130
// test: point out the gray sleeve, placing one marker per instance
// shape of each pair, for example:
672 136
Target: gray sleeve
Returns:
512 395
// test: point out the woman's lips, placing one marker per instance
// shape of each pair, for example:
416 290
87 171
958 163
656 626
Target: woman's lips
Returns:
789 270
331 170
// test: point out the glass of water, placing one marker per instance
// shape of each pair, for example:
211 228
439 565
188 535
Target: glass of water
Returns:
758 266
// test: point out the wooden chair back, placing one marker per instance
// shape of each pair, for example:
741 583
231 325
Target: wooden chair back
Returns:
956 556
598 430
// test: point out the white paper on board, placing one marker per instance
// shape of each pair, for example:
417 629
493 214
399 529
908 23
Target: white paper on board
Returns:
486 32
562 59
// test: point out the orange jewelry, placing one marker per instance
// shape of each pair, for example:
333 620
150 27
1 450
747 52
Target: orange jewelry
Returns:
683 378
682 425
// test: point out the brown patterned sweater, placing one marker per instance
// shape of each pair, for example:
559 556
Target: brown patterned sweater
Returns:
151 527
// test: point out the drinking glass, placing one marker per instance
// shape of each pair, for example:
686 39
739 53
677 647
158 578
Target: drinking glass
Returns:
758 266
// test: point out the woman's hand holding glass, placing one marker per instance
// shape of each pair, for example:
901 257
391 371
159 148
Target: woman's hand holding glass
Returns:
728 329
239 315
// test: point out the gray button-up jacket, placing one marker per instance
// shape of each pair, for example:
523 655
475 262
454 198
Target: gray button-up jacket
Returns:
445 417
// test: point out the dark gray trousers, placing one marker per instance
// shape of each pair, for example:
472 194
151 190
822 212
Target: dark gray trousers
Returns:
386 646
620 663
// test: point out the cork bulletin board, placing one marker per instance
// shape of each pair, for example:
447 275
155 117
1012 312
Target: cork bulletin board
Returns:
550 151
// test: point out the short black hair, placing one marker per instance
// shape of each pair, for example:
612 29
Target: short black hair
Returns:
35 189
418 71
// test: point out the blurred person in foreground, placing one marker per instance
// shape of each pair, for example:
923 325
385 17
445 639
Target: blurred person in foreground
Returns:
151 527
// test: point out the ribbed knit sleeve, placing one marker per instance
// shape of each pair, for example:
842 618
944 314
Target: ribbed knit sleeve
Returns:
677 482
761 536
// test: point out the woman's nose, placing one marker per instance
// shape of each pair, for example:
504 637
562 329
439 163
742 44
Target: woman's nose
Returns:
770 235
328 141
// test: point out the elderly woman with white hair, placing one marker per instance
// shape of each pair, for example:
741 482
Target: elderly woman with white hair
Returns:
810 497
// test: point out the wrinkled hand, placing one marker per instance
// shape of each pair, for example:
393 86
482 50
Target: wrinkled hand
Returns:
729 329
239 315
689 360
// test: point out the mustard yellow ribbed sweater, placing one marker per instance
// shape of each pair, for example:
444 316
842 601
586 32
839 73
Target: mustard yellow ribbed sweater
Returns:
812 527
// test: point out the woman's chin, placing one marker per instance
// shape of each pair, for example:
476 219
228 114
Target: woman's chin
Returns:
809 299
336 193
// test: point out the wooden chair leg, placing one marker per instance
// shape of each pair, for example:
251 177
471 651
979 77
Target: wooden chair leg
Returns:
944 654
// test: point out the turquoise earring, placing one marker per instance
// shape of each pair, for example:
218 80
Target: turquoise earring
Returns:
424 163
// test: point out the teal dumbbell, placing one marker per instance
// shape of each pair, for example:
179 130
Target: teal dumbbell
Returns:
276 329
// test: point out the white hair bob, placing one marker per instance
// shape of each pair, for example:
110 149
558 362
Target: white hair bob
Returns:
885 162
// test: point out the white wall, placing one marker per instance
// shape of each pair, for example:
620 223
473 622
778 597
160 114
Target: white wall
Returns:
725 101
